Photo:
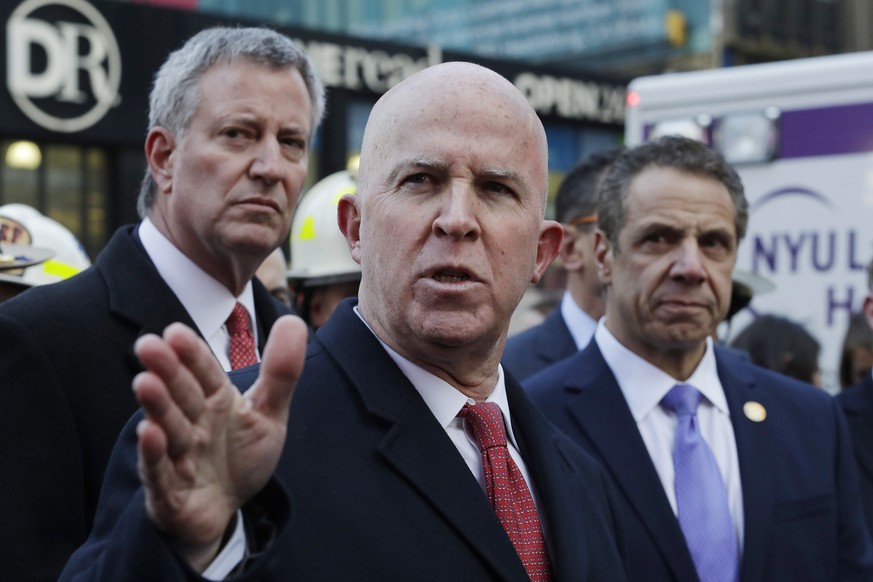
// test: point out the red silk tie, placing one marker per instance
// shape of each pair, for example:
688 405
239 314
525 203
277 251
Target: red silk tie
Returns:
507 490
242 340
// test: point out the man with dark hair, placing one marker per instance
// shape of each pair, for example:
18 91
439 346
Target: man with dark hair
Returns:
569 327
726 471
232 115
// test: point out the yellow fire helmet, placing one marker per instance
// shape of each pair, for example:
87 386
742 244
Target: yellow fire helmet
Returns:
319 252
22 226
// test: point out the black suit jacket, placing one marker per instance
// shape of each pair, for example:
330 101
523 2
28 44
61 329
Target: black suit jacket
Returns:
801 505
65 393
539 347
376 490
857 403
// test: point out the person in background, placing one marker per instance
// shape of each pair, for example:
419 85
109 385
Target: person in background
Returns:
570 327
231 118
410 454
781 345
856 358
23 225
322 271
857 404
726 471
272 274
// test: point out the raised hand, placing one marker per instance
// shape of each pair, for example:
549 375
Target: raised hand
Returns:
204 448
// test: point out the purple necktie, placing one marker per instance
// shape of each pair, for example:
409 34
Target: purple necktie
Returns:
701 495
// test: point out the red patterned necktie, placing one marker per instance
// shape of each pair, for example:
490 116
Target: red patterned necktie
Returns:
242 340
507 490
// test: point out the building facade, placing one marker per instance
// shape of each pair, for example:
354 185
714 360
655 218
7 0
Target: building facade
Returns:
77 74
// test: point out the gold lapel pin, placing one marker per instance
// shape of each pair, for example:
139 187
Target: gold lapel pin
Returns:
754 411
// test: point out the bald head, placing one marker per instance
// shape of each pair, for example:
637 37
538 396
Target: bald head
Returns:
448 222
448 91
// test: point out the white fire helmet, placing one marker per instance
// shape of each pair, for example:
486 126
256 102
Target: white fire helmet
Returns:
23 226
319 252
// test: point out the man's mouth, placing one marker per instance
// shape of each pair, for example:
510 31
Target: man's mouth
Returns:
450 276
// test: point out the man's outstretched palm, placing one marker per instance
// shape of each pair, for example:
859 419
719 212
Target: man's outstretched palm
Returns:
204 448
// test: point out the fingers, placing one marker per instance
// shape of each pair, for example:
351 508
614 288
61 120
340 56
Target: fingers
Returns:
159 407
281 367
159 358
197 356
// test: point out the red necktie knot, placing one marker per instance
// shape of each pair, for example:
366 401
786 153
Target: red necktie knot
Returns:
486 424
241 350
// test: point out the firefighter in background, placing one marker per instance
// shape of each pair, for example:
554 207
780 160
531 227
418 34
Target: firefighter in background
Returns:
36 250
322 272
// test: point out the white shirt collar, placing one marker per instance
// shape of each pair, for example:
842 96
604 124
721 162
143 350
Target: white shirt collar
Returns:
644 385
207 301
443 399
580 324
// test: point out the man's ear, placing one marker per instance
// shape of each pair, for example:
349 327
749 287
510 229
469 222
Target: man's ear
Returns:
572 254
603 255
548 246
348 217
160 145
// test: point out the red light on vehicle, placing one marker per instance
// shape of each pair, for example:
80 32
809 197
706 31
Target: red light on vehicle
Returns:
633 99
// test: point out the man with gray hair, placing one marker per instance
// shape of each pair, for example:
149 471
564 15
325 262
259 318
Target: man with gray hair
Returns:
232 115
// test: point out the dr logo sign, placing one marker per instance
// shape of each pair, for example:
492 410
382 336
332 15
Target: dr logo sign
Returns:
63 63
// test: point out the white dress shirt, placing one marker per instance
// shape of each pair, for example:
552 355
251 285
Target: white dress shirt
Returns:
208 302
580 324
444 401
643 386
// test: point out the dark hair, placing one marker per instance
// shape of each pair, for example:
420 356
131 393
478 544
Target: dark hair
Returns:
858 335
680 153
577 194
781 345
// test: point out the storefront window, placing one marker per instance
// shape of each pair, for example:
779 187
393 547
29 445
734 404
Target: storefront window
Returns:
19 173
65 182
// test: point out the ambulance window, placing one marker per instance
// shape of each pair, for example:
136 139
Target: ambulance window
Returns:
691 127
748 137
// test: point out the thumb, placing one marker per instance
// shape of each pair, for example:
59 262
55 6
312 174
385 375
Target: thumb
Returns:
281 367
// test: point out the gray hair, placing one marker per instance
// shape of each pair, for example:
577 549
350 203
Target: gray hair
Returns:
173 99
675 152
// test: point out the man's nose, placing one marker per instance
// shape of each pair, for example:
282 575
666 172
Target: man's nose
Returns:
458 214
688 263
267 164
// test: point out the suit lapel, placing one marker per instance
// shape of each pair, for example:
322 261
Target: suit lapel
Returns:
754 443
266 312
554 341
596 403
415 444
556 483
138 294
136 290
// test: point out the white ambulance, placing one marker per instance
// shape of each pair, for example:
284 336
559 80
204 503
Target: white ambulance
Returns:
800 133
